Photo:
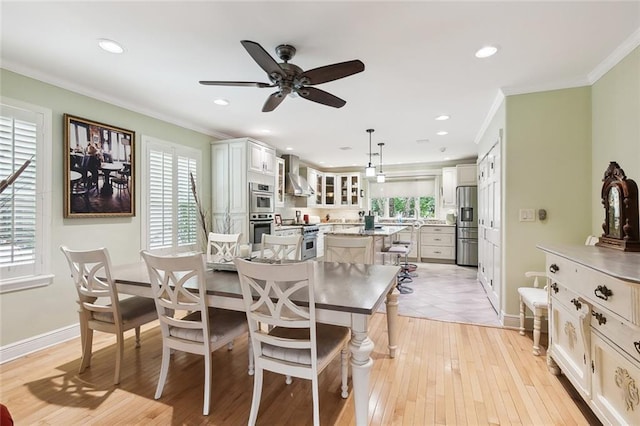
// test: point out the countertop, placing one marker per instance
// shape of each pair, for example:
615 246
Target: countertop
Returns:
384 231
616 263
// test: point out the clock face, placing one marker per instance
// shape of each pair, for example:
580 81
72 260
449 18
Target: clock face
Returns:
613 213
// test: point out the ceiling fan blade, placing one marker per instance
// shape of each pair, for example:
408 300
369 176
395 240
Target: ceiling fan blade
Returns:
321 97
262 58
333 72
273 101
236 83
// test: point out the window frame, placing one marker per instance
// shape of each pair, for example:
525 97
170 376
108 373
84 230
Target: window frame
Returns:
41 275
148 144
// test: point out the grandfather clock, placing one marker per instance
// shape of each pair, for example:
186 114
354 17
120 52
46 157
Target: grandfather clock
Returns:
620 202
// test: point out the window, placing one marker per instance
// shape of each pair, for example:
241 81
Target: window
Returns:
170 213
404 199
25 204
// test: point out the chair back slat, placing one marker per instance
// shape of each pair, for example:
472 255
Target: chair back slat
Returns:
348 249
222 247
178 283
280 247
268 291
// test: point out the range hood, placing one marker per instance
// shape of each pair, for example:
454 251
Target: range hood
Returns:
295 184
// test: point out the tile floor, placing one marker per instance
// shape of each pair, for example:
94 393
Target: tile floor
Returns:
448 293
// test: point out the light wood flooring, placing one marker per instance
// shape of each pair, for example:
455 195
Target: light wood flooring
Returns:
445 373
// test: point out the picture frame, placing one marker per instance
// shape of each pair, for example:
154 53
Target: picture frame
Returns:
99 169
278 220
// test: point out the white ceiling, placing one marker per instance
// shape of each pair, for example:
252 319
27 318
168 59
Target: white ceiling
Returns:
419 63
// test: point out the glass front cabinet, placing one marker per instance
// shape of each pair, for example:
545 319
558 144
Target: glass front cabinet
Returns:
349 190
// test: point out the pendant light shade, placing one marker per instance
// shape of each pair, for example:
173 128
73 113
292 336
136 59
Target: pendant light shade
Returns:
381 176
370 170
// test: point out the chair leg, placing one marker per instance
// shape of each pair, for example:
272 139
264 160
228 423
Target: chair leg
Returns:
137 337
251 359
87 342
522 312
257 393
119 356
164 369
207 384
537 321
316 401
288 379
344 364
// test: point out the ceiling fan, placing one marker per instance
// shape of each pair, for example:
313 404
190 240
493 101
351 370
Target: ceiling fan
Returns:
290 78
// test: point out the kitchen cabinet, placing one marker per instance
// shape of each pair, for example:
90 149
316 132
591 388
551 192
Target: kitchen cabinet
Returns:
349 190
438 243
449 178
319 187
231 224
312 179
594 327
288 231
280 183
323 230
490 225
466 175
330 190
262 159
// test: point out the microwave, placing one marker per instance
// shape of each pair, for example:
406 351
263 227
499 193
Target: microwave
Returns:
261 198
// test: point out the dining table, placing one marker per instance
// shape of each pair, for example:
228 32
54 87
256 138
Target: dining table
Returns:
345 294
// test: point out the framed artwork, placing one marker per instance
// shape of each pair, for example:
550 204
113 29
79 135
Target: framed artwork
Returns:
99 173
278 220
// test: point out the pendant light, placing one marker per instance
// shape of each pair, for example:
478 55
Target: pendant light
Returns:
370 170
381 177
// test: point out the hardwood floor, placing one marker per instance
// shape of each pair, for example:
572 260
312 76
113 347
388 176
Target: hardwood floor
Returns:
444 374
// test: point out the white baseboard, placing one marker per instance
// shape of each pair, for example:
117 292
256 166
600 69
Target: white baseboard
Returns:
513 322
33 344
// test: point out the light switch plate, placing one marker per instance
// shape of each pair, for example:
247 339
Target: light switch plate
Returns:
527 215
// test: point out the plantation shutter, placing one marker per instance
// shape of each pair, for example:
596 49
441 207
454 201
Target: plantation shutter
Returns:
160 199
187 219
18 202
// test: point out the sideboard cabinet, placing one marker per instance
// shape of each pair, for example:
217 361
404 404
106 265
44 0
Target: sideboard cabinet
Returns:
594 327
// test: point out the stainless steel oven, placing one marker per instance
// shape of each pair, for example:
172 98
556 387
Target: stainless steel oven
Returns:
259 224
261 198
309 241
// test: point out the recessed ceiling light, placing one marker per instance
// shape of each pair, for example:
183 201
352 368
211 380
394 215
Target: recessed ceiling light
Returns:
265 131
110 46
486 51
289 148
442 117
320 162
221 102
442 133
447 158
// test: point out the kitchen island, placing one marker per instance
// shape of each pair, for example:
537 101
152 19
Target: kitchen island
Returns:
379 234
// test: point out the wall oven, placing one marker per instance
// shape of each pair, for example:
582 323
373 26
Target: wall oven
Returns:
259 224
261 198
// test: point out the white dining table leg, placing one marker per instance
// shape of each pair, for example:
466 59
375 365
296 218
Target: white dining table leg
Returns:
361 347
392 320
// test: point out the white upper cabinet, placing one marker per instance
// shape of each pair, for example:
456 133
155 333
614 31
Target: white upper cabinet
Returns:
280 183
449 183
262 159
466 175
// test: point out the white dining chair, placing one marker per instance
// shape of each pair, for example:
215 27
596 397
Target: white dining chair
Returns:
348 249
100 306
178 283
537 300
293 343
222 247
279 247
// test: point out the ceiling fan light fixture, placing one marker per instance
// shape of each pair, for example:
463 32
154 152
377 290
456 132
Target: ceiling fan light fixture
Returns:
370 170
442 133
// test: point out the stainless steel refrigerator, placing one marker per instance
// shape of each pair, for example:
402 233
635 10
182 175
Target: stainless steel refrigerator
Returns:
467 226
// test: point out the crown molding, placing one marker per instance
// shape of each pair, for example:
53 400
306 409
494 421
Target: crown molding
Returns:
497 102
615 57
67 85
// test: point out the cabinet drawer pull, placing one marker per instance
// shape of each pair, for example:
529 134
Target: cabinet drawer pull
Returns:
554 287
600 317
437 252
637 345
553 268
603 292
577 304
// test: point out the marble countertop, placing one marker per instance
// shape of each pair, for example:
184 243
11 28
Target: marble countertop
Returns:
618 264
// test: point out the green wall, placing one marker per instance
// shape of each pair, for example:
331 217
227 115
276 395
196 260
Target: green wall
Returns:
28 313
547 158
616 127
